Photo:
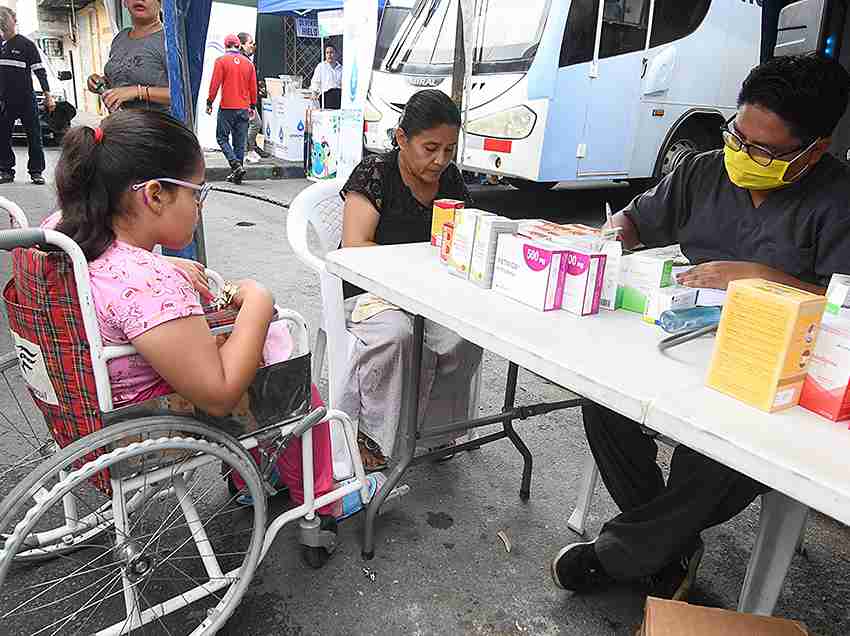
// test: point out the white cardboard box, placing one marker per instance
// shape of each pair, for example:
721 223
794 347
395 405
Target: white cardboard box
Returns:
641 275
665 298
530 271
838 296
826 390
463 240
486 243
279 130
613 251
583 281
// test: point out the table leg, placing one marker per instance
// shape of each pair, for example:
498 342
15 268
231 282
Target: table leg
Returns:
781 522
407 433
510 398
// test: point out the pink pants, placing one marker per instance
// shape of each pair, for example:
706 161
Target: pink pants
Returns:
289 463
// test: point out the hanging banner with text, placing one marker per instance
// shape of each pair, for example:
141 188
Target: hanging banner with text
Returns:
358 45
306 27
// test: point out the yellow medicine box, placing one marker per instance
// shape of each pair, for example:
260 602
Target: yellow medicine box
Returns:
764 342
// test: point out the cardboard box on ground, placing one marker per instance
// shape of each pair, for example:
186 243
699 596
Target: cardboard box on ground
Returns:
673 618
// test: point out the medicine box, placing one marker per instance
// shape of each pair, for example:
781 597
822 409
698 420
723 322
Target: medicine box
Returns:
443 212
838 296
583 281
667 298
530 271
826 390
765 339
547 230
613 251
463 240
640 276
486 243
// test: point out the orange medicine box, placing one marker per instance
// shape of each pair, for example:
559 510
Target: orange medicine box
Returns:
827 387
444 212
764 342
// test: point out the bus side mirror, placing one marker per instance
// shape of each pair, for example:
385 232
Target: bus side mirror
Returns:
65 76
810 26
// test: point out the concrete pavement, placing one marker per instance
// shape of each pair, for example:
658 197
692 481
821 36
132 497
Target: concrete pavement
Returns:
439 567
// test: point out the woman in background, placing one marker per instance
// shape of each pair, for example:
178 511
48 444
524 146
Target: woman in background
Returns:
136 74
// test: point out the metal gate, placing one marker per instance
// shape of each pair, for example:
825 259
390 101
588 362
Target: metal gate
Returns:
302 55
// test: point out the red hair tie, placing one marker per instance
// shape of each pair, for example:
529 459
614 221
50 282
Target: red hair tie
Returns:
98 135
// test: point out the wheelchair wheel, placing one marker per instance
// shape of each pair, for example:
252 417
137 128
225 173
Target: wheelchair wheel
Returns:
26 441
173 554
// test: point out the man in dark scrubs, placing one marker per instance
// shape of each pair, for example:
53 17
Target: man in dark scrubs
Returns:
772 204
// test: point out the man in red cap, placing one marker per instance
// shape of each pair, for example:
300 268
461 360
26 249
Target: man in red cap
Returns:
236 77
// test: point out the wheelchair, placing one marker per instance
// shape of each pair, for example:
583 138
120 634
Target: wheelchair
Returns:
118 521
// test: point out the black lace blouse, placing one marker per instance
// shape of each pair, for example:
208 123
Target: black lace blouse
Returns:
403 219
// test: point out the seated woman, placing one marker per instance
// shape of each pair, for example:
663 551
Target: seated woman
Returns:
389 200
136 182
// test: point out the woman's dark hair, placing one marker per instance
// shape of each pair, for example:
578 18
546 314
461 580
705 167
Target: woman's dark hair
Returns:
426 110
808 92
93 177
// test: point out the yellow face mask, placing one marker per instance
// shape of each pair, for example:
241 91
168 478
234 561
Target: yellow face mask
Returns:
746 173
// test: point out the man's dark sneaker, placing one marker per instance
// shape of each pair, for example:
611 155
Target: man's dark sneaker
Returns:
6 177
238 174
263 154
577 568
37 179
675 580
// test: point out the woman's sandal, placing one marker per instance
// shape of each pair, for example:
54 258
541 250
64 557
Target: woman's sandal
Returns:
370 454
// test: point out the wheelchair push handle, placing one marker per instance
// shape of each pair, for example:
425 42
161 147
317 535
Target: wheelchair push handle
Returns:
310 421
11 239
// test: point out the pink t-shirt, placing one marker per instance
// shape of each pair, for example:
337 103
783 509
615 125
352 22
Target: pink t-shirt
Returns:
134 291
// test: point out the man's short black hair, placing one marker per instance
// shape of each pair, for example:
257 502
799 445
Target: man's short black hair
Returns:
808 92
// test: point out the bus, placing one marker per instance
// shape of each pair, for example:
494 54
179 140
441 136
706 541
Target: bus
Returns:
813 26
573 90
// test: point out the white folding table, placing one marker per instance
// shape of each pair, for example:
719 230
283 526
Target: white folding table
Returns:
612 359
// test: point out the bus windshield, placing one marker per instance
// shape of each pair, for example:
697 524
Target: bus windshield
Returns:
392 19
429 44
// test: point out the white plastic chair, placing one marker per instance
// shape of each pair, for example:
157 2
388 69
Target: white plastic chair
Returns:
320 207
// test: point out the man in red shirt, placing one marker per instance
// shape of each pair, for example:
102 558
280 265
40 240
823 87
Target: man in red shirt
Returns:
236 77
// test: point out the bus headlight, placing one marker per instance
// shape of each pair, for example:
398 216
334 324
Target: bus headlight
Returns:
514 123
371 114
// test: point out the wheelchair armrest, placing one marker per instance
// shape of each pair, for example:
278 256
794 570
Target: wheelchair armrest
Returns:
29 237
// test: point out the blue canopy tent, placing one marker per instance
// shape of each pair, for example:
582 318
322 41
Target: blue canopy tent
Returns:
186 23
279 7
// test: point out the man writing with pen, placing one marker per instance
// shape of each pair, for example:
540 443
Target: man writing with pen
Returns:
771 204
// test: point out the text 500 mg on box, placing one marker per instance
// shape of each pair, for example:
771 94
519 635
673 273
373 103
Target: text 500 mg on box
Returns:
530 271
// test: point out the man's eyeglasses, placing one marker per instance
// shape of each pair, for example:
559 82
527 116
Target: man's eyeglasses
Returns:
761 155
201 191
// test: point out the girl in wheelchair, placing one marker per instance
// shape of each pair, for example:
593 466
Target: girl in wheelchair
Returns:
135 182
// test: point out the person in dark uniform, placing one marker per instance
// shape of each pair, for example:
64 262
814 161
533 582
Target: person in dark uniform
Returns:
19 58
772 204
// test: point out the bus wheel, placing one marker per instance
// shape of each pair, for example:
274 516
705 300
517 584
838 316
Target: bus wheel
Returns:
531 186
689 139
674 153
